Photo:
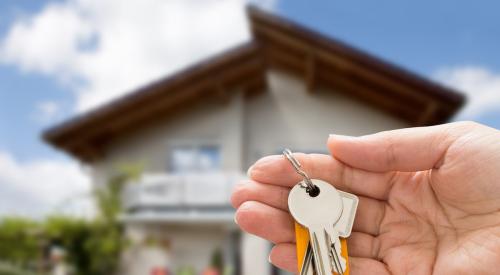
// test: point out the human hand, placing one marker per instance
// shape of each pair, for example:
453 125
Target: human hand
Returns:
429 199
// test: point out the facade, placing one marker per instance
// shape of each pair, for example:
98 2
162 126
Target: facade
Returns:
196 133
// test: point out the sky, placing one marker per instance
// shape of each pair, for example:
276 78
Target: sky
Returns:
63 58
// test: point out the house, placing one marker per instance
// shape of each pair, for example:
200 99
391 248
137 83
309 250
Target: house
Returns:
196 132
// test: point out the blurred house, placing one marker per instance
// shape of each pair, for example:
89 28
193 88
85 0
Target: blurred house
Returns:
197 132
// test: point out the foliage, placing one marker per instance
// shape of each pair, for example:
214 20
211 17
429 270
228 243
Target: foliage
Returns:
217 260
92 246
19 241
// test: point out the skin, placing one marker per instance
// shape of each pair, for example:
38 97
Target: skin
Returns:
429 199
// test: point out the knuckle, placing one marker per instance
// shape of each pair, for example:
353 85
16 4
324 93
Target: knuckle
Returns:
243 213
390 146
283 196
466 125
240 193
246 217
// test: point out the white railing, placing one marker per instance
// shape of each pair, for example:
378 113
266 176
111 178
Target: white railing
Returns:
187 190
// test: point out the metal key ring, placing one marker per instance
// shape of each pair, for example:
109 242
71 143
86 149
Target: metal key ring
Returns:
309 185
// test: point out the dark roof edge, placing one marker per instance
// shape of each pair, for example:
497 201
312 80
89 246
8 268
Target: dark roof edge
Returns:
366 59
183 75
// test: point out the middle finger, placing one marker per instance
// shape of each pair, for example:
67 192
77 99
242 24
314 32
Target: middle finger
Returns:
369 214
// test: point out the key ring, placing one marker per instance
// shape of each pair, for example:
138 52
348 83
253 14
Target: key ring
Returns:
311 189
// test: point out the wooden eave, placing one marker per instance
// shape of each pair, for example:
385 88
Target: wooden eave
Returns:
86 135
326 62
277 43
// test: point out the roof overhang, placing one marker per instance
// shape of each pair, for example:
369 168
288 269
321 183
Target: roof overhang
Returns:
277 43
86 135
323 61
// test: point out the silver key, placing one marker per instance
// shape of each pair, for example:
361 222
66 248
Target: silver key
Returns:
339 263
318 214
343 227
308 267
308 264
350 205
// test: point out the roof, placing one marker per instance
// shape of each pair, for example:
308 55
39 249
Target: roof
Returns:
277 43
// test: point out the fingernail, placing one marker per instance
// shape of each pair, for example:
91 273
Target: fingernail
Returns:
268 159
269 259
235 221
249 171
340 136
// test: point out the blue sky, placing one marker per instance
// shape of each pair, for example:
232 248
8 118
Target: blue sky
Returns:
422 36
454 42
419 35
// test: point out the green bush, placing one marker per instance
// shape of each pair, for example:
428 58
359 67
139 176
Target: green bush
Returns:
92 247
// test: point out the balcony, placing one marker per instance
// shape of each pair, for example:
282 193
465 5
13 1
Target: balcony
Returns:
185 198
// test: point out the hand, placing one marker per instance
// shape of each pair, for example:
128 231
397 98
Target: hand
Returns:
429 199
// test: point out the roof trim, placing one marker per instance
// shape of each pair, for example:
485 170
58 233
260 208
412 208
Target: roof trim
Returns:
277 43
324 61
240 68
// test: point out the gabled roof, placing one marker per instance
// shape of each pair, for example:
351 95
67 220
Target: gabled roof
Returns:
277 43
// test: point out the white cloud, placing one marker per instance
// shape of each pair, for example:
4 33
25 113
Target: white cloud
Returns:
42 187
47 42
103 49
481 86
47 111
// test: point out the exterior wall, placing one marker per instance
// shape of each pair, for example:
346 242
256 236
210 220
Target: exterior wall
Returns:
288 116
210 123
174 246
284 116
244 129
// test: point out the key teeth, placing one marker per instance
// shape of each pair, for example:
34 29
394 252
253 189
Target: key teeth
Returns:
338 249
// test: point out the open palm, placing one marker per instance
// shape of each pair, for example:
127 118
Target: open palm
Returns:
429 200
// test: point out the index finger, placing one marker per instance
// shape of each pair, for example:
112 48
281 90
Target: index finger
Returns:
277 170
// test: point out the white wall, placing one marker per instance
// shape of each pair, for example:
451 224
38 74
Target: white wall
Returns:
245 129
181 246
210 122
288 116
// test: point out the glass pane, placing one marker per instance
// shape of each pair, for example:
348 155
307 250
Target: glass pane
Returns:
208 158
195 159
183 159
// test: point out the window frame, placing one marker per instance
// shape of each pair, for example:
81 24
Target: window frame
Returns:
195 144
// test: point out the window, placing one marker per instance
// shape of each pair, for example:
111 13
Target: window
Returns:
185 159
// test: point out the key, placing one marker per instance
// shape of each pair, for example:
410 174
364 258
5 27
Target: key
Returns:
307 268
350 205
331 236
339 263
308 264
318 214
344 228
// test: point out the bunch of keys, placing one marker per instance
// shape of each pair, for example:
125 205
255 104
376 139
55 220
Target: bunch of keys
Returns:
325 217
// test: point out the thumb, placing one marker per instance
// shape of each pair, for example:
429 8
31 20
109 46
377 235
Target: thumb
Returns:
411 149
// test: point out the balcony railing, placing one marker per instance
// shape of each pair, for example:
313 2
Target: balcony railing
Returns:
185 197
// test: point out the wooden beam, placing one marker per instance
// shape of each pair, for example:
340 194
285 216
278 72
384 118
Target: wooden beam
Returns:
221 91
369 74
234 76
343 84
255 85
427 116
146 109
310 72
87 152
281 56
